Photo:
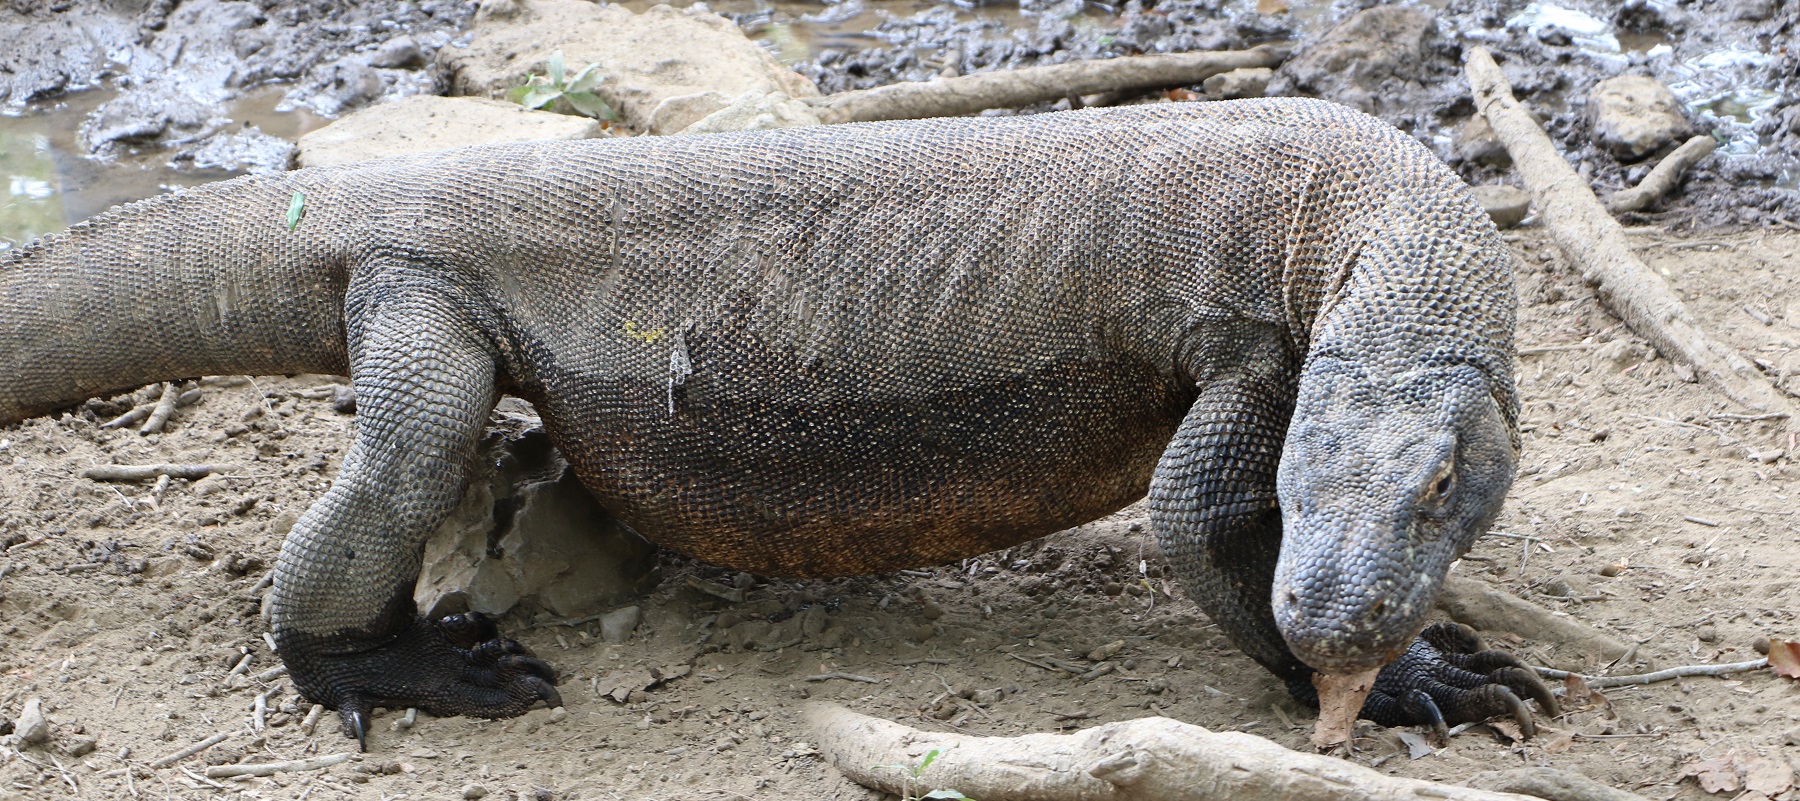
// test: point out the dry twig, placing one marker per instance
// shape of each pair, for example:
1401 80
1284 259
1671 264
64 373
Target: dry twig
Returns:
1663 177
1600 682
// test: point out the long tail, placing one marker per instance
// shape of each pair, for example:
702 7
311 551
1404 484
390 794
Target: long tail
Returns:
206 281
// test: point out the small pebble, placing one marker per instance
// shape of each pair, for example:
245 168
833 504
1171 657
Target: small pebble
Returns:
32 727
616 626
1707 633
1107 651
474 791
1761 644
559 715
1611 570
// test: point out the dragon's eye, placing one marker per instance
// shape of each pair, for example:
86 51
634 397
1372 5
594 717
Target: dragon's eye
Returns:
1442 483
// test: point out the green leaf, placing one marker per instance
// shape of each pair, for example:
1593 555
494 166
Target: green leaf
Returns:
585 80
591 105
539 96
296 209
556 68
946 794
930 756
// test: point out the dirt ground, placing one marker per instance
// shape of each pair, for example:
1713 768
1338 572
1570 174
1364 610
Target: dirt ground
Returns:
1648 518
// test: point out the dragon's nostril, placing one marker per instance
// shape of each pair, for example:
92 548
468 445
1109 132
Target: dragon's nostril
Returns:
1380 607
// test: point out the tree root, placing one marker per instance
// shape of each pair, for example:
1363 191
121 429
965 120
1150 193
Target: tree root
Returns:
1663 176
1590 237
1682 672
969 94
1474 603
1556 785
1148 758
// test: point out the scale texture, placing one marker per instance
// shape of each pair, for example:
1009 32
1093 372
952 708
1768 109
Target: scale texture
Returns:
853 349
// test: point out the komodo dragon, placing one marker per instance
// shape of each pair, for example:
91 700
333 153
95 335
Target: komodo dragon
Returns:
854 349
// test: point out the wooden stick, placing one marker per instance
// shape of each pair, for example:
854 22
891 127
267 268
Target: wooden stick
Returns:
844 676
190 750
1136 760
1590 237
144 472
1663 177
970 94
1601 682
165 406
272 768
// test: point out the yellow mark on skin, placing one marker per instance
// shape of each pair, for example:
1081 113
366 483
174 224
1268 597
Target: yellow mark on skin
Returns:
631 330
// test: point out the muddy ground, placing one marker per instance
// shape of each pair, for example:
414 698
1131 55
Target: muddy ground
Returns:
1650 520
1652 512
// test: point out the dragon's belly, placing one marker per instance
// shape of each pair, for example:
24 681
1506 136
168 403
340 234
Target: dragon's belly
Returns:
776 481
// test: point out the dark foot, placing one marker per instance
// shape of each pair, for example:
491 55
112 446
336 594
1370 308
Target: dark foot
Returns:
1445 678
455 666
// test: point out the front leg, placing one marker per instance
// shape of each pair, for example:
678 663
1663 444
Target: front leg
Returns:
341 608
1214 509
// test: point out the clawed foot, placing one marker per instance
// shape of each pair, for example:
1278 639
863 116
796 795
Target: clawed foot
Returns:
455 666
1446 678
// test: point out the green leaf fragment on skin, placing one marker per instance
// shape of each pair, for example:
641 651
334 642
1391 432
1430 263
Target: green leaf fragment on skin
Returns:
296 209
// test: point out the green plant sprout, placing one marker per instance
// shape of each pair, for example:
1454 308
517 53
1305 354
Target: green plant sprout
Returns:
913 776
577 91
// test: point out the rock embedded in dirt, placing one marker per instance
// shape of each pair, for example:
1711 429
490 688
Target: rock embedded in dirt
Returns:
1368 61
528 529
32 727
427 122
1238 83
660 55
616 626
1505 205
1634 116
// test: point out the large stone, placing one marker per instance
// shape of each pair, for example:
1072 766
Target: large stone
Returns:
647 58
1369 61
32 727
1634 116
1505 205
528 530
1242 82
426 122
751 112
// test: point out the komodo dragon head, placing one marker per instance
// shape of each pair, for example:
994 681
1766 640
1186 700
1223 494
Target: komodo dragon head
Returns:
1385 480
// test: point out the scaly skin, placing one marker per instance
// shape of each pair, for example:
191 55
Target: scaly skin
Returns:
854 349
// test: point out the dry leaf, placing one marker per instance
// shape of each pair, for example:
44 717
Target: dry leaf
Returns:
1716 775
1508 729
1417 746
1181 95
1768 776
1784 657
620 684
1576 692
1271 6
1560 743
1341 698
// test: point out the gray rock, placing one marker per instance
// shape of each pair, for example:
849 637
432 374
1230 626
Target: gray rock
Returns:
1634 116
1245 82
1476 142
528 529
400 52
750 112
1373 55
32 727
616 626
646 58
1505 205
425 122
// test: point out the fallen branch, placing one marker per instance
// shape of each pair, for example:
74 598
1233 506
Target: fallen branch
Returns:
843 676
144 472
1556 785
1663 177
1590 237
190 750
272 768
1148 758
970 94
1684 671
165 406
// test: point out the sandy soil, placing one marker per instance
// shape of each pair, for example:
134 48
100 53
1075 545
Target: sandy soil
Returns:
1649 519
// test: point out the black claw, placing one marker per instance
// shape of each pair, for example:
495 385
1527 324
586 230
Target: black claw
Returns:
545 692
1421 704
1525 683
1520 714
356 723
